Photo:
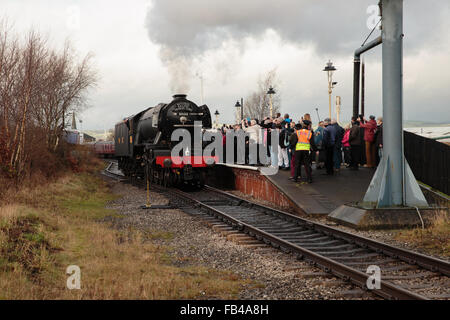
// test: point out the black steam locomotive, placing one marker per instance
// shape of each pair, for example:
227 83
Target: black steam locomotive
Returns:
143 143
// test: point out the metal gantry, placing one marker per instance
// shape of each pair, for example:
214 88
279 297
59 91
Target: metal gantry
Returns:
394 183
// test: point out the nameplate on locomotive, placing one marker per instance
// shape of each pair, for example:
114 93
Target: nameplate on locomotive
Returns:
183 107
189 114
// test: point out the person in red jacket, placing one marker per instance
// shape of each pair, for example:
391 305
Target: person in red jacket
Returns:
369 137
346 145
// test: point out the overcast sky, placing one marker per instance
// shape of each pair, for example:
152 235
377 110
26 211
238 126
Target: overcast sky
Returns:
147 50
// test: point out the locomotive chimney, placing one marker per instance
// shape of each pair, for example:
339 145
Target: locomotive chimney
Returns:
179 96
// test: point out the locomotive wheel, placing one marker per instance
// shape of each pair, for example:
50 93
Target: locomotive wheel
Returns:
167 178
153 175
176 179
164 178
157 179
201 181
160 177
173 178
201 184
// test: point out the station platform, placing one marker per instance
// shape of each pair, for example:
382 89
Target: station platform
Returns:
322 197
326 193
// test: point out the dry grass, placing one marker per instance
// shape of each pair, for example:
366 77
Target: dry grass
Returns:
50 227
435 238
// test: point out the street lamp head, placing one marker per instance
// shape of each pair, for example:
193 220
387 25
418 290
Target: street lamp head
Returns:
329 66
237 105
271 91
217 112
334 83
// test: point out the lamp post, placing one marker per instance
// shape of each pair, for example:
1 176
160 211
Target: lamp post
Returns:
329 68
217 118
270 93
338 108
240 105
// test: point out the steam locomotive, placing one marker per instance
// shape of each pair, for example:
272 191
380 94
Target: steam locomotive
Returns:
143 143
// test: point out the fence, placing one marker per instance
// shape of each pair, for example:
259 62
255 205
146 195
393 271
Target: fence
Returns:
429 160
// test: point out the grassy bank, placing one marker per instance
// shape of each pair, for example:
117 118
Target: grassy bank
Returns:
435 238
45 229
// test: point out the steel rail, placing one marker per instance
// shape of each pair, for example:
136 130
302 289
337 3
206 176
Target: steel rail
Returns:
387 290
426 262
108 173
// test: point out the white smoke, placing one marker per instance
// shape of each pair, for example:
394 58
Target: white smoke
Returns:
178 66
185 30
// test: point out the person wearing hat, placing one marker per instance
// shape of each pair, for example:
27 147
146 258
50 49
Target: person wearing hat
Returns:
328 143
283 143
369 138
303 141
355 144
291 151
267 142
320 153
337 152
379 140
254 138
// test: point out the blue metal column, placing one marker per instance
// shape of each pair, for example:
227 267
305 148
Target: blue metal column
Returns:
392 36
393 183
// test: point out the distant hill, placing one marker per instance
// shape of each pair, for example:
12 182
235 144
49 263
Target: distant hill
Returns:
414 124
100 134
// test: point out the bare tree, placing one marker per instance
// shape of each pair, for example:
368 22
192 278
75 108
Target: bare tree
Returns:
38 88
8 59
257 103
32 58
63 90
19 66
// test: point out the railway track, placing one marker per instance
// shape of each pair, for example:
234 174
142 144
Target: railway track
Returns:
112 170
403 274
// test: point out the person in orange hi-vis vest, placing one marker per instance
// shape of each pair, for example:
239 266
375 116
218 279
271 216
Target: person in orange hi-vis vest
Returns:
303 141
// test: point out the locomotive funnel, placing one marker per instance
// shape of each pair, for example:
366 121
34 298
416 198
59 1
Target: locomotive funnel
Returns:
179 96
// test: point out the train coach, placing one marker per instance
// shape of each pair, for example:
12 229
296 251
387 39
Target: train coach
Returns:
143 143
105 149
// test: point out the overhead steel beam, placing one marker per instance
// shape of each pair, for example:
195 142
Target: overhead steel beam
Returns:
356 71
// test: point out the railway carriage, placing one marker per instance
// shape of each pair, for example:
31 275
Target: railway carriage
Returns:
104 148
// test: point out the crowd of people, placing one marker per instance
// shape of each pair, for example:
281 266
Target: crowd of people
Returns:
329 146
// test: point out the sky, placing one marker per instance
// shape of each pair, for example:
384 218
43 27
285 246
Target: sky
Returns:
147 50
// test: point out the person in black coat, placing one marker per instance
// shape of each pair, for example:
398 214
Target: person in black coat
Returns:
283 141
337 152
355 144
362 155
328 142
379 140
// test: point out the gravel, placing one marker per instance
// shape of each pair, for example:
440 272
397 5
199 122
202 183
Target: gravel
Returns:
272 274
386 236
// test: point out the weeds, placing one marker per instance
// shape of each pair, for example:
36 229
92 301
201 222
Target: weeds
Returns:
435 238
48 227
